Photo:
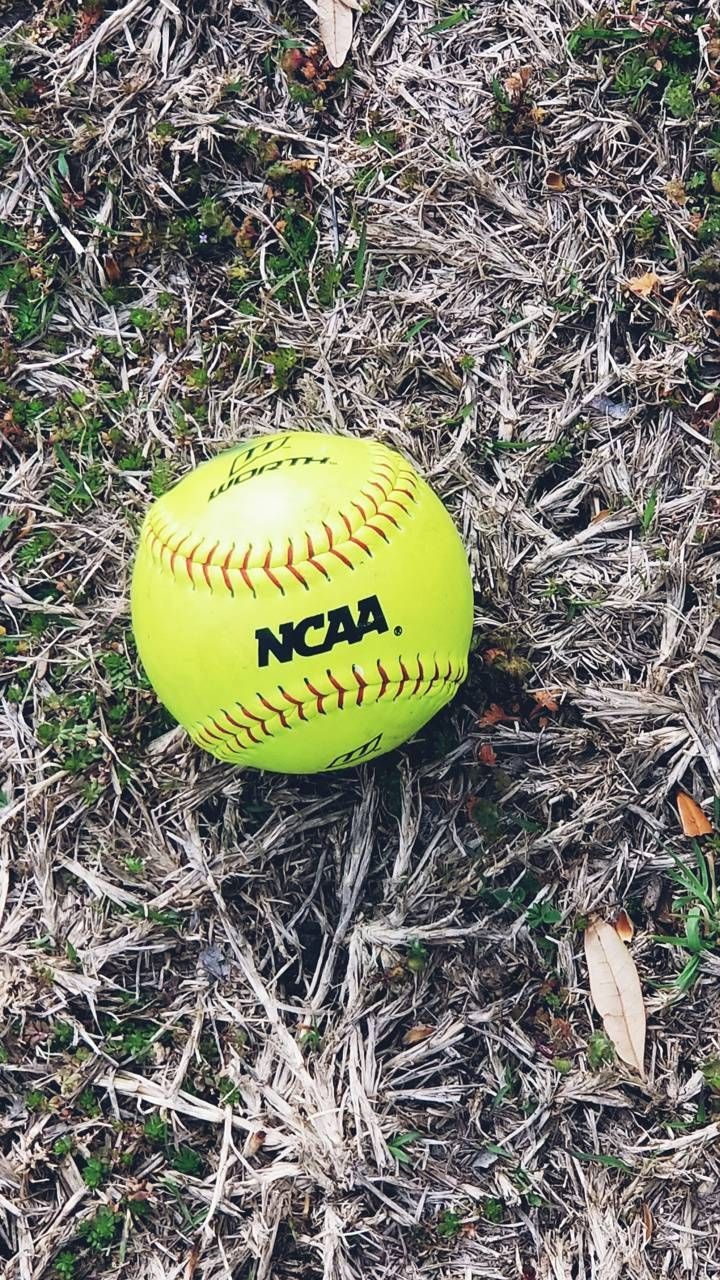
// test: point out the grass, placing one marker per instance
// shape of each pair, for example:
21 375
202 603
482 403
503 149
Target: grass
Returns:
340 1025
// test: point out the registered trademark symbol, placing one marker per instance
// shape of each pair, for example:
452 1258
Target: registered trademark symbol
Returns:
398 631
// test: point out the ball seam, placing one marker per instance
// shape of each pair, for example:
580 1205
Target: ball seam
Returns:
219 729
226 567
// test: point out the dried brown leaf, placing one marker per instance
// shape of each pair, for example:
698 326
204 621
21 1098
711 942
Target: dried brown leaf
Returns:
417 1034
336 29
643 286
692 819
623 925
554 181
517 82
648 1223
616 992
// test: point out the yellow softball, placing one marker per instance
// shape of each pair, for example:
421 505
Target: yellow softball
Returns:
302 602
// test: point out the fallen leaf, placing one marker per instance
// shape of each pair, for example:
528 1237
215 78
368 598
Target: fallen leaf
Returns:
616 993
546 698
517 82
336 29
417 1034
692 818
648 1223
486 755
554 181
643 286
600 515
493 715
623 925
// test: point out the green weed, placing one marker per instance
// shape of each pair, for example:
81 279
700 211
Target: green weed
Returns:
283 363
187 1161
711 1074
648 512
94 1172
102 1230
695 904
646 227
64 1265
600 1050
679 99
397 1146
449 1224
417 956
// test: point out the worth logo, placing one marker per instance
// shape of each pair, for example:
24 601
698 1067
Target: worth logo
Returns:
319 633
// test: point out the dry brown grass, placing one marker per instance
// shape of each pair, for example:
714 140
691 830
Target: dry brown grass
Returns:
243 956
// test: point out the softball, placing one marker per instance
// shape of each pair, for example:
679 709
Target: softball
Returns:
302 602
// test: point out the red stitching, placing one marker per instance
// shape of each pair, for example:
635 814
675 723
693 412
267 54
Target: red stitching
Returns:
320 697
295 702
162 537
295 572
362 686
379 532
268 571
340 690
258 719
206 735
189 561
403 682
278 711
206 563
226 577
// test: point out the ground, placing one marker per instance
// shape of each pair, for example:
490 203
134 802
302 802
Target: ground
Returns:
340 1026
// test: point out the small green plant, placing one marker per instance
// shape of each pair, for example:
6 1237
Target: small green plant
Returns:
311 1040
162 477
417 956
283 363
88 1104
156 1130
449 1224
711 1074
542 914
696 907
646 227
560 451
633 76
397 1146
28 553
185 1160
493 1210
35 1100
94 1173
64 1265
228 1092
562 1065
648 512
591 32
600 1050
62 1147
679 100
62 1035
102 1229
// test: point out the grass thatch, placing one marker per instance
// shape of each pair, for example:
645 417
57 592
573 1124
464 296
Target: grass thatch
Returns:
336 1027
